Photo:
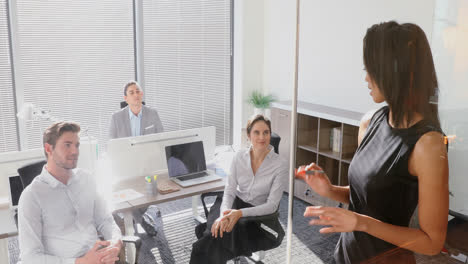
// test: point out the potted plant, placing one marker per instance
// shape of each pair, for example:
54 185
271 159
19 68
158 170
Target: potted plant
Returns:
261 103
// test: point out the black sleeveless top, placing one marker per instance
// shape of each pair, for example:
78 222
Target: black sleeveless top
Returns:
381 187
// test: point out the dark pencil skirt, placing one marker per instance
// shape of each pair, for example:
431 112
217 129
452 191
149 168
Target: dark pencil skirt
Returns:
244 239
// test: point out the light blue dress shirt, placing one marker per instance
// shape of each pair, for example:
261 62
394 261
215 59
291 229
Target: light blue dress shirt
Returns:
135 123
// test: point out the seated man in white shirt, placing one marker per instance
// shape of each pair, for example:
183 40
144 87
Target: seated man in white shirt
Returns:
61 213
135 119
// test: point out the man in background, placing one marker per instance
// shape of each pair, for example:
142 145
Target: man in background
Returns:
135 119
61 213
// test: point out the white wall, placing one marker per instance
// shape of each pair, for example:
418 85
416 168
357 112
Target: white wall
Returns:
279 47
330 64
248 59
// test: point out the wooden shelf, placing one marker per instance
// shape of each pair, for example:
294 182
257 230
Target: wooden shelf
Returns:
331 166
344 174
312 148
346 160
304 157
317 133
329 153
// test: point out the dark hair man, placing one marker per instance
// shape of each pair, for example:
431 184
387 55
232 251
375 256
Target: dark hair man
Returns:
135 119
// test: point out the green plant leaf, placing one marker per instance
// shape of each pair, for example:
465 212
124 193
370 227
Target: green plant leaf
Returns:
258 100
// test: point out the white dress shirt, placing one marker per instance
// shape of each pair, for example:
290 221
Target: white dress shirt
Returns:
58 223
263 190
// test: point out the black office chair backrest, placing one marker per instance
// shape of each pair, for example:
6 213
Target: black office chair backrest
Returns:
274 141
28 172
123 104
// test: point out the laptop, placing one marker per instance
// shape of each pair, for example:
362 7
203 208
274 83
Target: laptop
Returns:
186 164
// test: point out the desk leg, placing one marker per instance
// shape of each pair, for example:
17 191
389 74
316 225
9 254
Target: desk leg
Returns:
4 251
129 231
195 200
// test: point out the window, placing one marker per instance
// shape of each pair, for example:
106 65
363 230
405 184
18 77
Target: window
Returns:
187 63
8 127
73 58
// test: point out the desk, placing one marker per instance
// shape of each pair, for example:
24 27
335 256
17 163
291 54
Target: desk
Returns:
139 185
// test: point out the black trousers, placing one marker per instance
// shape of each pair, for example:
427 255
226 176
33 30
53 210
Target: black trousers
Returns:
244 238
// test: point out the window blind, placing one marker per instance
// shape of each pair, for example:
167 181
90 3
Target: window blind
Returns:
74 58
187 63
8 127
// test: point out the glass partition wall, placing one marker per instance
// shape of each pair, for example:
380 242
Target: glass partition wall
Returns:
333 98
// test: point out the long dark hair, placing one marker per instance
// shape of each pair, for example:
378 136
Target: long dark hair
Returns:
399 60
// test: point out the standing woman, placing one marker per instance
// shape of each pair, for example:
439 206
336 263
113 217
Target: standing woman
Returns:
401 161
254 187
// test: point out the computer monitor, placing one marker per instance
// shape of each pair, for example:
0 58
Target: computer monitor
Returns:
15 188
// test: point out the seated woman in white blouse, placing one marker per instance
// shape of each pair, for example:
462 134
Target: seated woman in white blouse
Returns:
254 187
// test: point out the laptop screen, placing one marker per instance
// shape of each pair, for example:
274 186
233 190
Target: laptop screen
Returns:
185 158
16 188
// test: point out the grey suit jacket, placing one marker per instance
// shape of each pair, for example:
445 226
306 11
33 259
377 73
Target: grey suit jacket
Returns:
120 123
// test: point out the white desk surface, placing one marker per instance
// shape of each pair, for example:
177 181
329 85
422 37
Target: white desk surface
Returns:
223 161
139 185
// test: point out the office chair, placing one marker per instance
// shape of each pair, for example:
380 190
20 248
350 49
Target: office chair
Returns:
271 221
123 104
27 174
274 141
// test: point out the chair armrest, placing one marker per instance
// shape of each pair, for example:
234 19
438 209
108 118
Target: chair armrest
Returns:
260 218
209 194
271 221
132 239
